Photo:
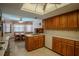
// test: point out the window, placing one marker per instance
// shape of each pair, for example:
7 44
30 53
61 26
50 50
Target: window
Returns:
22 28
6 27
18 28
28 28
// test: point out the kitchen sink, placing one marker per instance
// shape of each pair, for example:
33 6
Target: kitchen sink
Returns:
2 42
1 47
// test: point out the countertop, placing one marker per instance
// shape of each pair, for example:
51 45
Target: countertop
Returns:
68 37
5 45
30 35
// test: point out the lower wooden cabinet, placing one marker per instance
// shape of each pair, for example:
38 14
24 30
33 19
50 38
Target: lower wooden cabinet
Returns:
63 49
29 43
77 48
34 42
63 52
57 45
70 50
63 46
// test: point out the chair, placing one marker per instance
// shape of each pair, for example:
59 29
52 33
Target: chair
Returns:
17 37
22 37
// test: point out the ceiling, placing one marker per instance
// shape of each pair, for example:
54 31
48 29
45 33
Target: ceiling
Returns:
41 8
37 10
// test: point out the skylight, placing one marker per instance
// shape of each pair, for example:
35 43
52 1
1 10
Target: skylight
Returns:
42 8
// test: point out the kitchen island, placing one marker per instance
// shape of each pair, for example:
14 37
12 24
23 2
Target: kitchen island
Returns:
33 42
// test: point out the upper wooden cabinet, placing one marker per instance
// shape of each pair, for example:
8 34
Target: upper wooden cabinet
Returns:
63 21
72 19
56 22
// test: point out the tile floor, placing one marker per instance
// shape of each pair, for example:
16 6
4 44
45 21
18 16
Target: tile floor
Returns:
18 49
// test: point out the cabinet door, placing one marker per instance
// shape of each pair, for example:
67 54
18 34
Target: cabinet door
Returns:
70 50
57 45
76 50
53 44
45 24
50 23
30 44
63 48
56 22
41 41
36 42
63 21
72 20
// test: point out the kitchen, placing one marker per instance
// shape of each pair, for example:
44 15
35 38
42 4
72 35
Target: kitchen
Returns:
47 29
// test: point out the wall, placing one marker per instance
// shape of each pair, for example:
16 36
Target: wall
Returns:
36 24
74 35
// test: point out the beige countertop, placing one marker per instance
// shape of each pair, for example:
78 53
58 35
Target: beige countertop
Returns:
68 37
5 45
30 35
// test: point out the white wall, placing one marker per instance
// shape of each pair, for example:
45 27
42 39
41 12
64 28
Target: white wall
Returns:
74 35
36 24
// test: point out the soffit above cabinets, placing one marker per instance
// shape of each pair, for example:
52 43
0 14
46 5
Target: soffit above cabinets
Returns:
42 8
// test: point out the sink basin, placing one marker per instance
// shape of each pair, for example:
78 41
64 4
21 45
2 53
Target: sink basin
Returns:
1 47
2 42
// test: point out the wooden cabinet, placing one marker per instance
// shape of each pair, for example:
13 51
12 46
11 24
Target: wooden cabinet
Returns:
63 21
70 48
63 46
34 42
29 42
72 19
49 22
68 20
41 40
56 22
63 52
57 45
77 48
39 30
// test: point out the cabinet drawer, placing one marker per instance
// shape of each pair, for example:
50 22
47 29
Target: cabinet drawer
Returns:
77 43
71 42
76 50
